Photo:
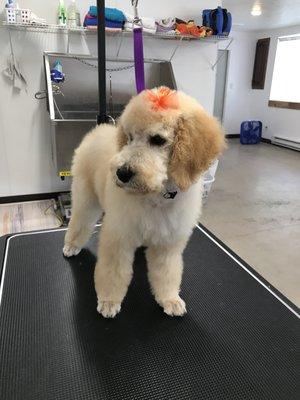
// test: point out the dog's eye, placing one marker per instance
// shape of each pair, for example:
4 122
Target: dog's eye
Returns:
157 140
130 138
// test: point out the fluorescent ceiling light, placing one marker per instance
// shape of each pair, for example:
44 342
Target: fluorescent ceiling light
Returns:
256 11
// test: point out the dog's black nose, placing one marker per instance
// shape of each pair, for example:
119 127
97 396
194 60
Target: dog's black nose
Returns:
124 174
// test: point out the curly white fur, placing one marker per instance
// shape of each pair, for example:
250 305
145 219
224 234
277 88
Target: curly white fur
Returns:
136 213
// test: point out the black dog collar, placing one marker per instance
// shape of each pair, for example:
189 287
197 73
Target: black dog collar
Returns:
169 195
171 190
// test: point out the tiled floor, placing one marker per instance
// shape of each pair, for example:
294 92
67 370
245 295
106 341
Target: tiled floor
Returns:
254 208
27 216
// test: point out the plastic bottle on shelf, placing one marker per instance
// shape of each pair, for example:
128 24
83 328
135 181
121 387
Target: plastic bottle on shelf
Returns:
9 4
62 14
72 17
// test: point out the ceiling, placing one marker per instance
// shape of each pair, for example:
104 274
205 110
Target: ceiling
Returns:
275 14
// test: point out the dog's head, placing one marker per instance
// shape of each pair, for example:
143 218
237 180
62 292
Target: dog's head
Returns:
164 136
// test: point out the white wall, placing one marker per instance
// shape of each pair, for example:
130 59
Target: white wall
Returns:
242 102
191 9
25 147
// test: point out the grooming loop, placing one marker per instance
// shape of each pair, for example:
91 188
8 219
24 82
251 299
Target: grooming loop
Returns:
138 49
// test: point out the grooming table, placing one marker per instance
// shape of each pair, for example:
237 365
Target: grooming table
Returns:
238 340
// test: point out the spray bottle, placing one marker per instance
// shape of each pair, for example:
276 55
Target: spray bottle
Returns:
62 14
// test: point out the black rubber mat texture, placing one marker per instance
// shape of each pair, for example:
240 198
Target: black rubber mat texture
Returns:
236 342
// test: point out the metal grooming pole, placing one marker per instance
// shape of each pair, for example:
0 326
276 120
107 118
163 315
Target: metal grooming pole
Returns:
102 116
64 201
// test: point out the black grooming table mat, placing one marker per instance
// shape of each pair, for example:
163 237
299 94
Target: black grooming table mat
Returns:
238 341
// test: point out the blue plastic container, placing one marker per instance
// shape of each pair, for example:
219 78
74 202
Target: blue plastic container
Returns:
219 20
250 132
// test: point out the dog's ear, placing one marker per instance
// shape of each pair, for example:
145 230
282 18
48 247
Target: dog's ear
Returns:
122 139
198 141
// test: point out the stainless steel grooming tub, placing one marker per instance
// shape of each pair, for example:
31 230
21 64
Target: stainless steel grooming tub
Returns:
73 104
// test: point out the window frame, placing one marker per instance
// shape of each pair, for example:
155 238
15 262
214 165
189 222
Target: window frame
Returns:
279 103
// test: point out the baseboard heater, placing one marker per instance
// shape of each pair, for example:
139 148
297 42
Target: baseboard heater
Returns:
286 142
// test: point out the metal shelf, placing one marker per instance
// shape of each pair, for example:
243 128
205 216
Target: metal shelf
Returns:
49 28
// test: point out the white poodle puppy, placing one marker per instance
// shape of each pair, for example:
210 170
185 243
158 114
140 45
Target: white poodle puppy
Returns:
145 174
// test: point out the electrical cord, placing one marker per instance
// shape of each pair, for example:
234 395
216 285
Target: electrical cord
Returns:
59 218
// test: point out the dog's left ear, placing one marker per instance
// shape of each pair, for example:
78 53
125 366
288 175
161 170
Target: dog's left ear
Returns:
122 139
199 139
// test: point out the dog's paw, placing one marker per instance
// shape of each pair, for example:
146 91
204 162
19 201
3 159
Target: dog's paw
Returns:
70 250
109 309
174 307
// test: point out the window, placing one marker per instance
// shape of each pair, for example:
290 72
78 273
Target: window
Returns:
285 89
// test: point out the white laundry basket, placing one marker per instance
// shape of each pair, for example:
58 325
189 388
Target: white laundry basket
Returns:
208 179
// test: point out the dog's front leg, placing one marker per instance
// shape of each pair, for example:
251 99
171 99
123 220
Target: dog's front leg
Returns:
165 267
113 272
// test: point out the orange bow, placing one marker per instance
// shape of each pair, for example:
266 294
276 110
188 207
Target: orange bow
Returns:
163 98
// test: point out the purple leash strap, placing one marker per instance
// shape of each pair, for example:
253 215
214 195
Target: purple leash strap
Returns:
139 59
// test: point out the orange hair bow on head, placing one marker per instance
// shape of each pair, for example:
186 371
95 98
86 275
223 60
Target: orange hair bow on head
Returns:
163 98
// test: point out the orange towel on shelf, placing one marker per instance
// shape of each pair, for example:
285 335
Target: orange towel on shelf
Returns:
190 28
